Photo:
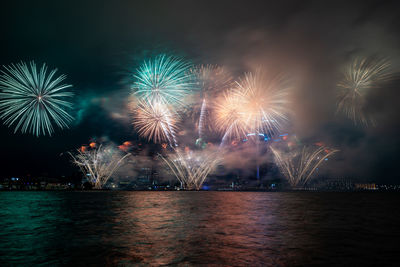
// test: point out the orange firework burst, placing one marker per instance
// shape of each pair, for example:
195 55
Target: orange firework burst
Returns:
125 146
258 103
228 116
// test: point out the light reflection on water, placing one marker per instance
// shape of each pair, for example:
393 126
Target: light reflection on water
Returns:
195 228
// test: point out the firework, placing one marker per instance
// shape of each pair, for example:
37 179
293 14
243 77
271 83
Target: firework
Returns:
164 79
257 104
191 168
298 166
360 77
98 164
33 100
211 80
228 117
155 121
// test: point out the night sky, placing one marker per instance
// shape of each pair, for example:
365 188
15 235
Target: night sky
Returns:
99 44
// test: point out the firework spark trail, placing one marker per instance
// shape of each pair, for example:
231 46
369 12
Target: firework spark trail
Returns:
164 79
257 104
155 121
192 168
34 100
297 166
360 77
212 80
202 117
225 137
171 128
265 102
100 163
228 117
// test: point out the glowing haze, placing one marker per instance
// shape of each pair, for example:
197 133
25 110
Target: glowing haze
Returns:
313 42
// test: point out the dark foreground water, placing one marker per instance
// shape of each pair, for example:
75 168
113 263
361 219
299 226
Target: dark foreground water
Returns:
199 228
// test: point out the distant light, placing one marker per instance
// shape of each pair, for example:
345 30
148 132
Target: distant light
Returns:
252 134
205 187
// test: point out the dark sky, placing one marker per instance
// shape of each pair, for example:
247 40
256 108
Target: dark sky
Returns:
98 43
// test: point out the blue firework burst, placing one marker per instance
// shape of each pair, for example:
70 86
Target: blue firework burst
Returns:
165 79
33 100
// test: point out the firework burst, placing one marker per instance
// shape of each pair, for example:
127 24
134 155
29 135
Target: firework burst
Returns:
155 121
228 117
33 99
191 168
257 104
360 77
298 166
164 79
99 163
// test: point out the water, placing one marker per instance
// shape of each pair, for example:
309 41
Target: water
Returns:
199 228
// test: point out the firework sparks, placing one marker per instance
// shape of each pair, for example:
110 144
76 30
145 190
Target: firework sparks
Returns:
257 104
155 121
299 166
164 79
265 102
360 77
98 164
212 80
228 117
191 168
32 99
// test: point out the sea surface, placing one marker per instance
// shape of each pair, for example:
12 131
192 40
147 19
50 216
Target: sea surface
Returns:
116 228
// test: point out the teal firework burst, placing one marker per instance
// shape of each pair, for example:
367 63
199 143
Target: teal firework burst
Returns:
32 100
164 79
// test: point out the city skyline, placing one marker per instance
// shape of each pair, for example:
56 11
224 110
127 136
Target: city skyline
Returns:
99 63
